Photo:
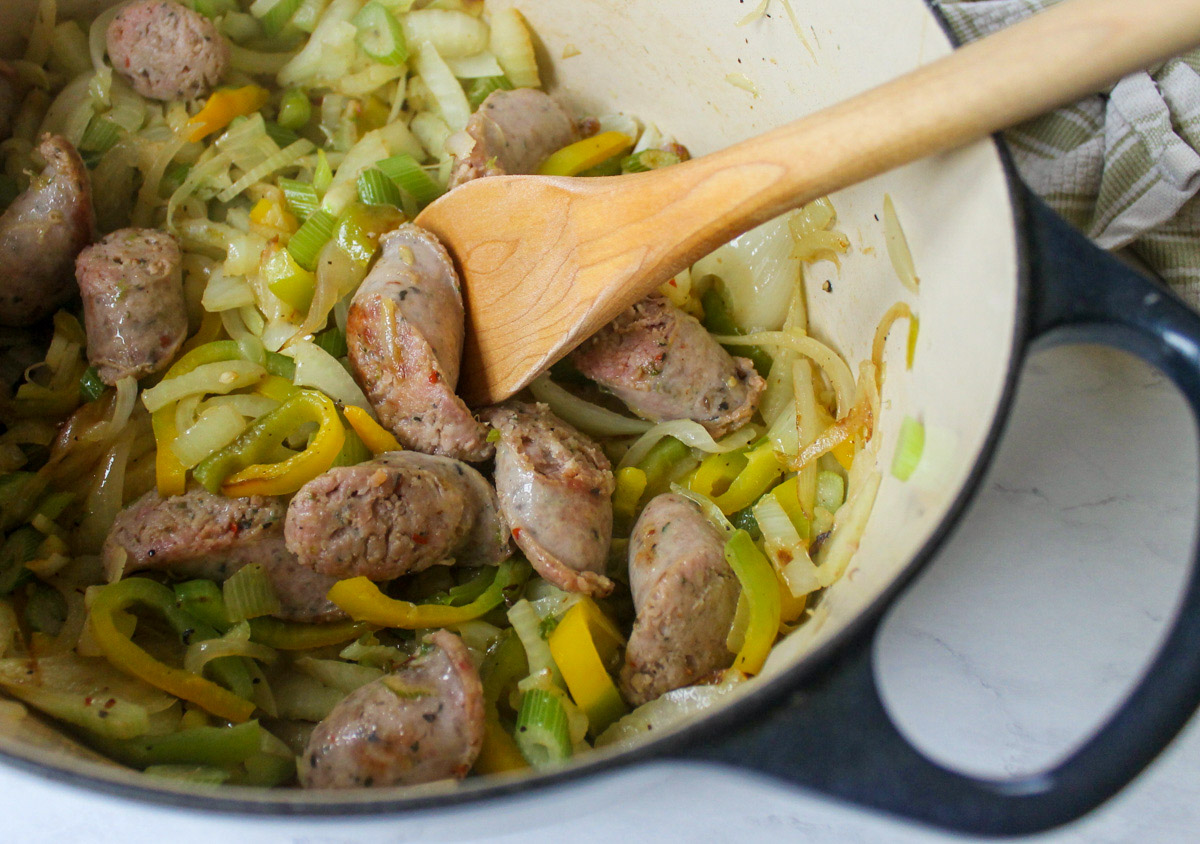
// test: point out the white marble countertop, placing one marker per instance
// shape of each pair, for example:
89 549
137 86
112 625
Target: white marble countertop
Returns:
1014 643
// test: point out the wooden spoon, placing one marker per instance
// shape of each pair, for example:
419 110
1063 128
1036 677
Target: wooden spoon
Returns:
546 261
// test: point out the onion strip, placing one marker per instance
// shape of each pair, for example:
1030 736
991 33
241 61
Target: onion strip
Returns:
830 361
690 434
587 417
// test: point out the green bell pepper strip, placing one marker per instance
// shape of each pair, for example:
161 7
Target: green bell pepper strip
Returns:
761 588
362 600
202 599
718 320
238 750
239 468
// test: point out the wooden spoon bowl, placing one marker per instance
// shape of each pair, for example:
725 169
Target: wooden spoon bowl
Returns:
546 261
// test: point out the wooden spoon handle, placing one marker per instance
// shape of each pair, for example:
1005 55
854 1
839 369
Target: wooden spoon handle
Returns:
1068 52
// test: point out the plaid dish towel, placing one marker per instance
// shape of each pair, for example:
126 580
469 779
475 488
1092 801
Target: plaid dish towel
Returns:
1121 166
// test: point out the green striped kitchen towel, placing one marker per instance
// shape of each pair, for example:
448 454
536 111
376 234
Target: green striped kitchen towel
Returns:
1123 165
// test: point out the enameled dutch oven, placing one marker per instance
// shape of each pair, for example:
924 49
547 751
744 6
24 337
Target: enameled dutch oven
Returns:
999 273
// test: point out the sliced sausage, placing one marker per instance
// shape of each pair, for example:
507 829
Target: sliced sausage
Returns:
513 133
133 305
555 487
199 534
401 512
663 364
405 336
421 723
41 233
167 51
685 595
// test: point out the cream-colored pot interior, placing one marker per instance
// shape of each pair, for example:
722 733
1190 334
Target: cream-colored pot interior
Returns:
691 69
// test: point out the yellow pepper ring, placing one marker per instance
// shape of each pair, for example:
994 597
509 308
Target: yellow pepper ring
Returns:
582 643
289 475
169 473
374 436
123 653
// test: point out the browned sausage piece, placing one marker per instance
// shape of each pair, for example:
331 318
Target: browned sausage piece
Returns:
199 534
41 233
555 487
514 132
421 723
663 364
685 595
167 51
401 512
405 336
133 305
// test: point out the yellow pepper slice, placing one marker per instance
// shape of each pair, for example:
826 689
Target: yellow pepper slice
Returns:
788 496
630 486
362 600
499 752
273 215
790 607
760 587
209 330
263 436
583 644
170 474
374 436
582 155
223 107
843 452
121 651
761 470
737 479
276 387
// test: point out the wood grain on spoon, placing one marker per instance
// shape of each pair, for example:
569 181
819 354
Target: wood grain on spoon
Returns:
546 261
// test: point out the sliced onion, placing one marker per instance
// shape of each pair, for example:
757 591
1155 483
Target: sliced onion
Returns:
587 417
236 642
689 433
220 378
897 246
663 713
316 368
711 511
830 361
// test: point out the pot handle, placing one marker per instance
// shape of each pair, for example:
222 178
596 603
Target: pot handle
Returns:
834 734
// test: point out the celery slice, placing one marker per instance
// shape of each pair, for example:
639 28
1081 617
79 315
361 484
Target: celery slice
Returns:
374 188
411 178
90 385
909 448
301 197
295 109
483 87
101 135
542 732
274 14
380 35
648 159
306 243
831 490
249 593
323 175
